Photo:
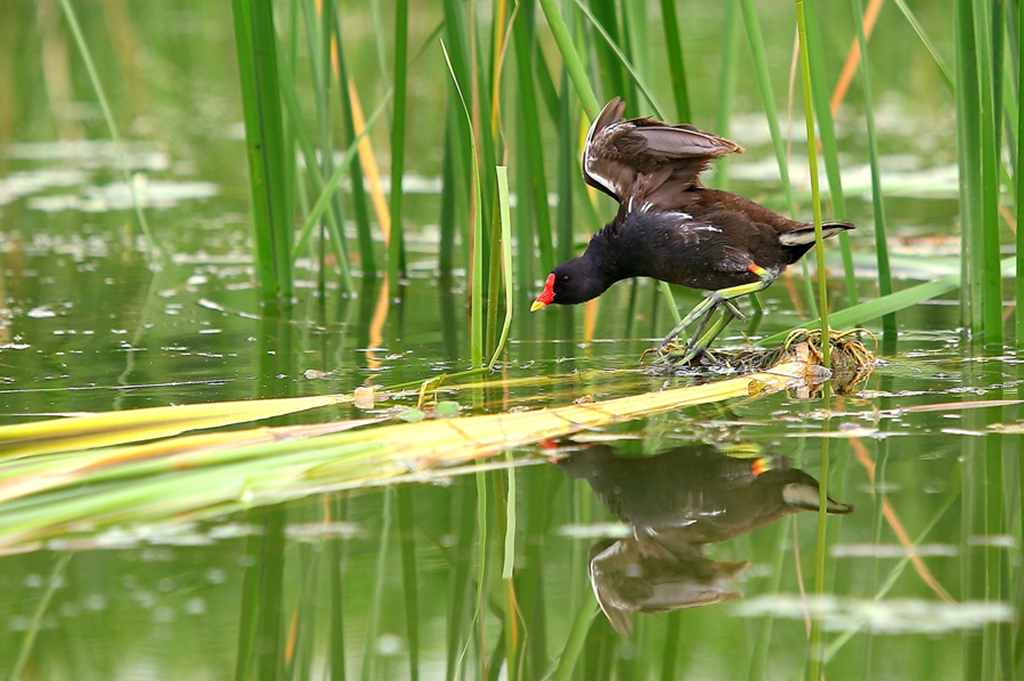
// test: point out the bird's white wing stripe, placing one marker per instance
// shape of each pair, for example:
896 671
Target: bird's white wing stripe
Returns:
588 159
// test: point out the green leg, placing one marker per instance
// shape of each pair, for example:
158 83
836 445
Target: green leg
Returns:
700 343
706 308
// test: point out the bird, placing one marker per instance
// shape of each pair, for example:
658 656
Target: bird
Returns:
672 228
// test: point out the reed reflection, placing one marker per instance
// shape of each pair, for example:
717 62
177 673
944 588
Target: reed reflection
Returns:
676 503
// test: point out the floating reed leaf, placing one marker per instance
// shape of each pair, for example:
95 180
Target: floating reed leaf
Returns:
202 476
114 428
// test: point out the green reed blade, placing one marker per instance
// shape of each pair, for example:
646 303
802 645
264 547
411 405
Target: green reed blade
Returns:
577 637
505 220
530 146
676 65
396 245
604 17
446 220
636 40
319 28
762 638
488 141
493 270
570 58
360 210
369 659
256 44
911 18
152 250
539 490
269 596
331 184
410 591
464 65
826 134
877 198
568 174
727 85
755 42
298 127
476 256
968 107
57 577
527 268
508 563
989 34
812 167
459 585
1019 184
336 596
900 300
623 60
483 524
546 90
673 630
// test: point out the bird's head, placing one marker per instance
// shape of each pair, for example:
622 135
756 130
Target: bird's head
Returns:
574 281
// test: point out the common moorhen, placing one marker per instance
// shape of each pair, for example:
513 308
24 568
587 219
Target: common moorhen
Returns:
672 228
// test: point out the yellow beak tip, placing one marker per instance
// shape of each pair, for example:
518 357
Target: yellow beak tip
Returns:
537 305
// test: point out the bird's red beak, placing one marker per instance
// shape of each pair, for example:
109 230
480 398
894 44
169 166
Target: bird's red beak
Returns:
546 296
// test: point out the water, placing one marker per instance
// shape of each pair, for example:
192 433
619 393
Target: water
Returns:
919 576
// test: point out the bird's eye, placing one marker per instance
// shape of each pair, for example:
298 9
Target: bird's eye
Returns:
564 279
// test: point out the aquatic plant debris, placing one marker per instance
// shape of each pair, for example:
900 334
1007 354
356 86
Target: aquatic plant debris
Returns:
49 489
851 361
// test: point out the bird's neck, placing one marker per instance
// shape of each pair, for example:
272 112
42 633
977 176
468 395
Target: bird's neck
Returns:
601 257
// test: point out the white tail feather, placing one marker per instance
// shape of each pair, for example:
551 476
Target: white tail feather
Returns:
802 237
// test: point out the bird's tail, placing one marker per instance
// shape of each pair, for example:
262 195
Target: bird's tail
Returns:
804 236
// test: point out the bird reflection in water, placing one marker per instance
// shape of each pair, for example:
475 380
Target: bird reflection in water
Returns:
676 503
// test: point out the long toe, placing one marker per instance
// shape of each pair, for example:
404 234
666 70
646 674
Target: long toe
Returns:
734 310
679 355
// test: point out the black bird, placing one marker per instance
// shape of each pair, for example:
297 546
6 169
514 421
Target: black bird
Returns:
672 228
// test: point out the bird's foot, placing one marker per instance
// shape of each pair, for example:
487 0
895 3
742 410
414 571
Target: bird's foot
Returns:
733 309
670 352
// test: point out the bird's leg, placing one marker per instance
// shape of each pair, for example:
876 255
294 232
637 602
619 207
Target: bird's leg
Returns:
699 344
706 308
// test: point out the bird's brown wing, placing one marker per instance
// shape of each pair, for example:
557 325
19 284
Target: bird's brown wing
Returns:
646 159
